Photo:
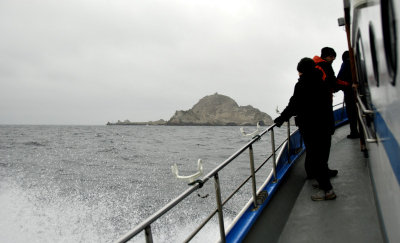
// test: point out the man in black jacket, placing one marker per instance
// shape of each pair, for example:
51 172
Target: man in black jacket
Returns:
324 63
311 103
346 84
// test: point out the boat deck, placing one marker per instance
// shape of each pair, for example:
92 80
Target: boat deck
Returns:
293 217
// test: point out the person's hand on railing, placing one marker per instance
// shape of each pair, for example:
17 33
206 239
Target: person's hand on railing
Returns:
279 121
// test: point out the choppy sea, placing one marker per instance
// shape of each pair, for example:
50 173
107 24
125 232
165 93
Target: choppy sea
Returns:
95 183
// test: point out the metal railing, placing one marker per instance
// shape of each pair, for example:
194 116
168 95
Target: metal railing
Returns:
146 224
364 114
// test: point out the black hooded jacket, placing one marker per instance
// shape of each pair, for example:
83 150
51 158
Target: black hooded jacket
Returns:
345 72
311 103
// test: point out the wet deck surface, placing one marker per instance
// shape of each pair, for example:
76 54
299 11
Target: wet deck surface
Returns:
351 217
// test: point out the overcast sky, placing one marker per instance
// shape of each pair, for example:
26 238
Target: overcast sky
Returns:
94 61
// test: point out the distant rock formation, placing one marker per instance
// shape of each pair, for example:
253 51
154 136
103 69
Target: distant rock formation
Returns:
127 122
212 110
220 110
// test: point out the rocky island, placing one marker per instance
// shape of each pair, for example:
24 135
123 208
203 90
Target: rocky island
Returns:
212 110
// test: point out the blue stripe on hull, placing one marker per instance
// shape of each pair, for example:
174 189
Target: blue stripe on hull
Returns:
390 144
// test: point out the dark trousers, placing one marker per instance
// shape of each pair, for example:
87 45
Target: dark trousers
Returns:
351 109
318 145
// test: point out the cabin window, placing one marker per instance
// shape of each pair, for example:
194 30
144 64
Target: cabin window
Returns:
389 37
374 54
363 87
360 61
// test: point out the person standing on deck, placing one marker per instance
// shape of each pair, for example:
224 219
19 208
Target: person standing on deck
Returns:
311 103
346 84
324 63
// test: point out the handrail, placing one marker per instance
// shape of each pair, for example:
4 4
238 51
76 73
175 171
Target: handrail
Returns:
362 112
146 224
235 155
230 196
362 106
158 214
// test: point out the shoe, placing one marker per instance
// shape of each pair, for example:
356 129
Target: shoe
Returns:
353 135
332 173
322 195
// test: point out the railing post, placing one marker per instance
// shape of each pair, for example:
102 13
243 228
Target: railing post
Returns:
149 236
288 141
273 154
219 207
253 176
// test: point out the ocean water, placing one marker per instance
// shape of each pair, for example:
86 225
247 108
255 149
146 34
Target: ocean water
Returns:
95 183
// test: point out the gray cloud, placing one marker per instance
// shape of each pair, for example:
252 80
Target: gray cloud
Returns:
89 62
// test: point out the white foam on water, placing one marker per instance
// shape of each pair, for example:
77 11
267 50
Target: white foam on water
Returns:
180 232
24 217
27 217
65 192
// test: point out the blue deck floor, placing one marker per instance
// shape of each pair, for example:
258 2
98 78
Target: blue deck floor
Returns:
352 217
